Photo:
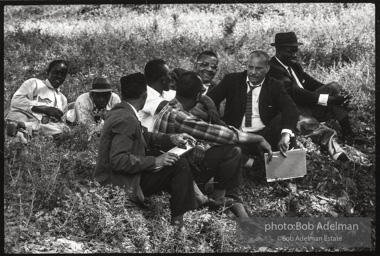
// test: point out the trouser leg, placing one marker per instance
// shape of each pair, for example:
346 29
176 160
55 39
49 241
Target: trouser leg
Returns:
322 112
224 163
177 179
319 134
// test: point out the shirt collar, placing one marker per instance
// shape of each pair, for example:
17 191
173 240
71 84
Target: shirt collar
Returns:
134 110
255 86
153 91
279 61
48 84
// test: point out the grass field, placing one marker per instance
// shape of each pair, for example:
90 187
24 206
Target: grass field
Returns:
48 193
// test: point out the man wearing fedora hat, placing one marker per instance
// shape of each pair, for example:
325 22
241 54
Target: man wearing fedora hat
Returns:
314 99
91 107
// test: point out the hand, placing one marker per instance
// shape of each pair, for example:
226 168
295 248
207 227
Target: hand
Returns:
222 123
167 159
54 112
213 116
347 97
265 146
283 144
99 114
181 139
197 154
335 100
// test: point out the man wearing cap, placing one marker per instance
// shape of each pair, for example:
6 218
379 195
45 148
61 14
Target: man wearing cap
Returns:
90 107
122 159
314 99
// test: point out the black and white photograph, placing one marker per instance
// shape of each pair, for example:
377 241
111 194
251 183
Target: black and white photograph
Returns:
228 127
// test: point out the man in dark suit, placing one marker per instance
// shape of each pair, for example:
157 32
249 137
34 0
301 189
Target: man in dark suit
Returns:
314 99
122 160
257 103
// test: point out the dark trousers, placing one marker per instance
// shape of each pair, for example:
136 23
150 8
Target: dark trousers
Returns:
271 133
224 164
177 180
323 113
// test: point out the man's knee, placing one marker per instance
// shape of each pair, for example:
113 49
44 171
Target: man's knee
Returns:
333 88
234 152
181 167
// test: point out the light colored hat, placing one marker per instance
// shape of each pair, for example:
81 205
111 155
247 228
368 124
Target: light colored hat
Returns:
101 84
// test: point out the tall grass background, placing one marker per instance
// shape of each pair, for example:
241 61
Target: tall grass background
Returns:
48 191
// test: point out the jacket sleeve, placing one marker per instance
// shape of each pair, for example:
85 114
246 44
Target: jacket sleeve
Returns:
299 95
286 106
25 98
157 140
219 92
124 155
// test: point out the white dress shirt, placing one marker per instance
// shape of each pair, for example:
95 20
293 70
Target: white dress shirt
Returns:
148 114
257 124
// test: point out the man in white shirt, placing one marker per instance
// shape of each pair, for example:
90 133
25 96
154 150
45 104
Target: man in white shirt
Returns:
91 107
257 103
158 78
37 107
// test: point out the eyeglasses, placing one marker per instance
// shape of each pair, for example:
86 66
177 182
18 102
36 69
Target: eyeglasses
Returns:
206 65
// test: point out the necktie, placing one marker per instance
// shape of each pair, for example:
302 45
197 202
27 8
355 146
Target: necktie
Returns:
291 74
248 109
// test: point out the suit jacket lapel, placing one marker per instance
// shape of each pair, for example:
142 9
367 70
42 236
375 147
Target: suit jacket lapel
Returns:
283 68
243 92
262 96
143 134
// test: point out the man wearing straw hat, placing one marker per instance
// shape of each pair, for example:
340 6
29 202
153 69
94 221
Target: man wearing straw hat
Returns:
91 107
314 99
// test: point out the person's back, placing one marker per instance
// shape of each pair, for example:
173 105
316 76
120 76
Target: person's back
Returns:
122 160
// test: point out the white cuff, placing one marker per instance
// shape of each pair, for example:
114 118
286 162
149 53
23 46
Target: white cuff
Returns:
322 100
287 131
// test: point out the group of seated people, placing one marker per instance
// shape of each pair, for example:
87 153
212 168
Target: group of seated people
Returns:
231 124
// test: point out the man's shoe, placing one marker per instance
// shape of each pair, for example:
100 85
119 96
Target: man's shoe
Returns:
11 129
343 157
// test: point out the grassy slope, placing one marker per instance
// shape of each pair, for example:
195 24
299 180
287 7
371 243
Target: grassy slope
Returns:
118 40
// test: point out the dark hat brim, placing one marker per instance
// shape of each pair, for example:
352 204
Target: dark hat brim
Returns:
294 44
